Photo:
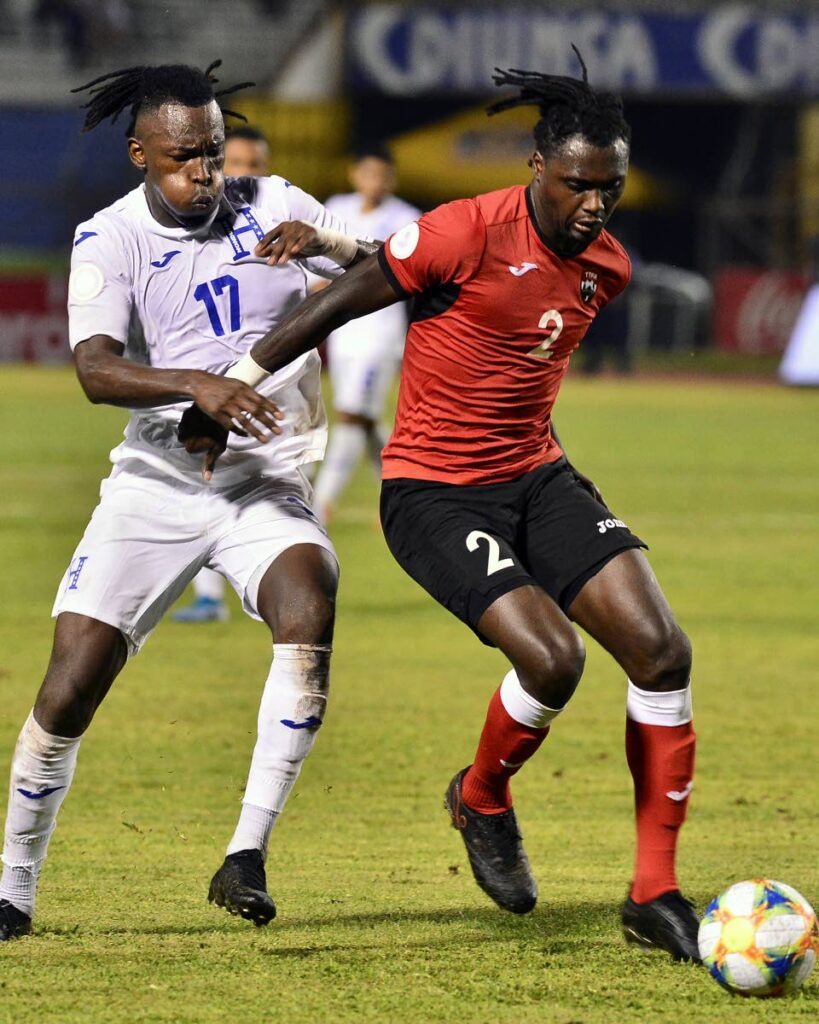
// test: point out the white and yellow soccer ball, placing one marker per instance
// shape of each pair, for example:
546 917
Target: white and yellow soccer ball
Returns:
759 938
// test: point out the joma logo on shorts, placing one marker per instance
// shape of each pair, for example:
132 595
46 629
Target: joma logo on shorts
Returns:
610 524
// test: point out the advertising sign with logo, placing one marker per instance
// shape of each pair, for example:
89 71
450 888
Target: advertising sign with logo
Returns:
732 50
33 318
755 310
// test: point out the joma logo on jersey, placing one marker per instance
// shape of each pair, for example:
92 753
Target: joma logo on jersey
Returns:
588 285
74 571
610 524
165 259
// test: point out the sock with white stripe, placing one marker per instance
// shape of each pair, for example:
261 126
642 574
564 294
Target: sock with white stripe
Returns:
516 725
660 747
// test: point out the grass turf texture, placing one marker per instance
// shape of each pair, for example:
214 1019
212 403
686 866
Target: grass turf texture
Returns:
379 917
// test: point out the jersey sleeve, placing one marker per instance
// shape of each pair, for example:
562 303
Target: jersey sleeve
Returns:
445 245
100 288
302 206
615 284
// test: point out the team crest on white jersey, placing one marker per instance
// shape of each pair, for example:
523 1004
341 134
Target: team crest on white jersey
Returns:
588 285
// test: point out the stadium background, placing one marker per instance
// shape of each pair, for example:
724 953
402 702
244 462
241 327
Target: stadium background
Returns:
701 449
725 178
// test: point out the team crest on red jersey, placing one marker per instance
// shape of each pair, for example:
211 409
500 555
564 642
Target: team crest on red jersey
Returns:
588 285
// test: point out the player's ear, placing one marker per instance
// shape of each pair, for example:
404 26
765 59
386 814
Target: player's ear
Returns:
137 154
536 163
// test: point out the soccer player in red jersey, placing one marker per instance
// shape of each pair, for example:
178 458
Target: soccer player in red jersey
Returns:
481 507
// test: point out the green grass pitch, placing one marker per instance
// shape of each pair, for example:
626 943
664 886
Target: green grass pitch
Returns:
379 917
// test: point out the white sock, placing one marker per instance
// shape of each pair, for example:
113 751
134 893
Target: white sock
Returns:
344 451
522 706
210 584
290 714
376 440
41 772
649 708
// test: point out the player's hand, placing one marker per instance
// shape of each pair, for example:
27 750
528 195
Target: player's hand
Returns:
223 405
286 241
200 434
588 485
236 407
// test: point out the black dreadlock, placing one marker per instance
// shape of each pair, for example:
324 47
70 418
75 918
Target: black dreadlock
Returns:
568 106
145 87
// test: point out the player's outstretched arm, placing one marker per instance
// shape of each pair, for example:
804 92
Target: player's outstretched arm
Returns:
108 378
362 290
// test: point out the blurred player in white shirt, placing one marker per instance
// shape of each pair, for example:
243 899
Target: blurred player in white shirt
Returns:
247 154
364 355
178 252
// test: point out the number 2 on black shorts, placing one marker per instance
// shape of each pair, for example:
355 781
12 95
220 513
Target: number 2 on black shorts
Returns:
495 562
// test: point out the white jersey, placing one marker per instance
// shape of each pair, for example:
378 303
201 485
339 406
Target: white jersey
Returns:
381 332
203 301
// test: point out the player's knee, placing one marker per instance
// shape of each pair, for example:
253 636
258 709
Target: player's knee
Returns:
664 663
552 668
86 658
308 618
64 707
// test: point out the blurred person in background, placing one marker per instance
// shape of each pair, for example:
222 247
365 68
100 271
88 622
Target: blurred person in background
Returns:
364 355
247 155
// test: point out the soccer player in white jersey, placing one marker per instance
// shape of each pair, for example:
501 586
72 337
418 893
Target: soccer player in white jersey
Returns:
179 251
247 154
364 355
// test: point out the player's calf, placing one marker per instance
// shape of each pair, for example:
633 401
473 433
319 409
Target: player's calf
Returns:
41 773
290 715
479 799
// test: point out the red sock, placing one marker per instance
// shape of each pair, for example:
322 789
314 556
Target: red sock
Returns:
505 746
661 760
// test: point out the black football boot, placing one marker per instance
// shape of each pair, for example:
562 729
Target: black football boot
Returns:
668 923
240 886
493 844
14 924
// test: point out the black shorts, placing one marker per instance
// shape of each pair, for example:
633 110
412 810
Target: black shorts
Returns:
467 545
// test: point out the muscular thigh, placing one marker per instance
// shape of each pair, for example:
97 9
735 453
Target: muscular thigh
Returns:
458 543
569 536
625 610
142 546
256 525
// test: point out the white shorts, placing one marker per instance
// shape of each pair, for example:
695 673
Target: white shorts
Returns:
150 535
361 376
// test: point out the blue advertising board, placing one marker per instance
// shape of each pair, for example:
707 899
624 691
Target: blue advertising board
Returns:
730 51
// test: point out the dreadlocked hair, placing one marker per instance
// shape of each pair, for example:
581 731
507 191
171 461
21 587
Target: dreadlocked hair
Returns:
567 106
147 88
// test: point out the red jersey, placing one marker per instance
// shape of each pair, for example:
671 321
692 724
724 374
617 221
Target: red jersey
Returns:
495 318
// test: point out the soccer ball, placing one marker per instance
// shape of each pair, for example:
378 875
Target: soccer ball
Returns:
759 938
